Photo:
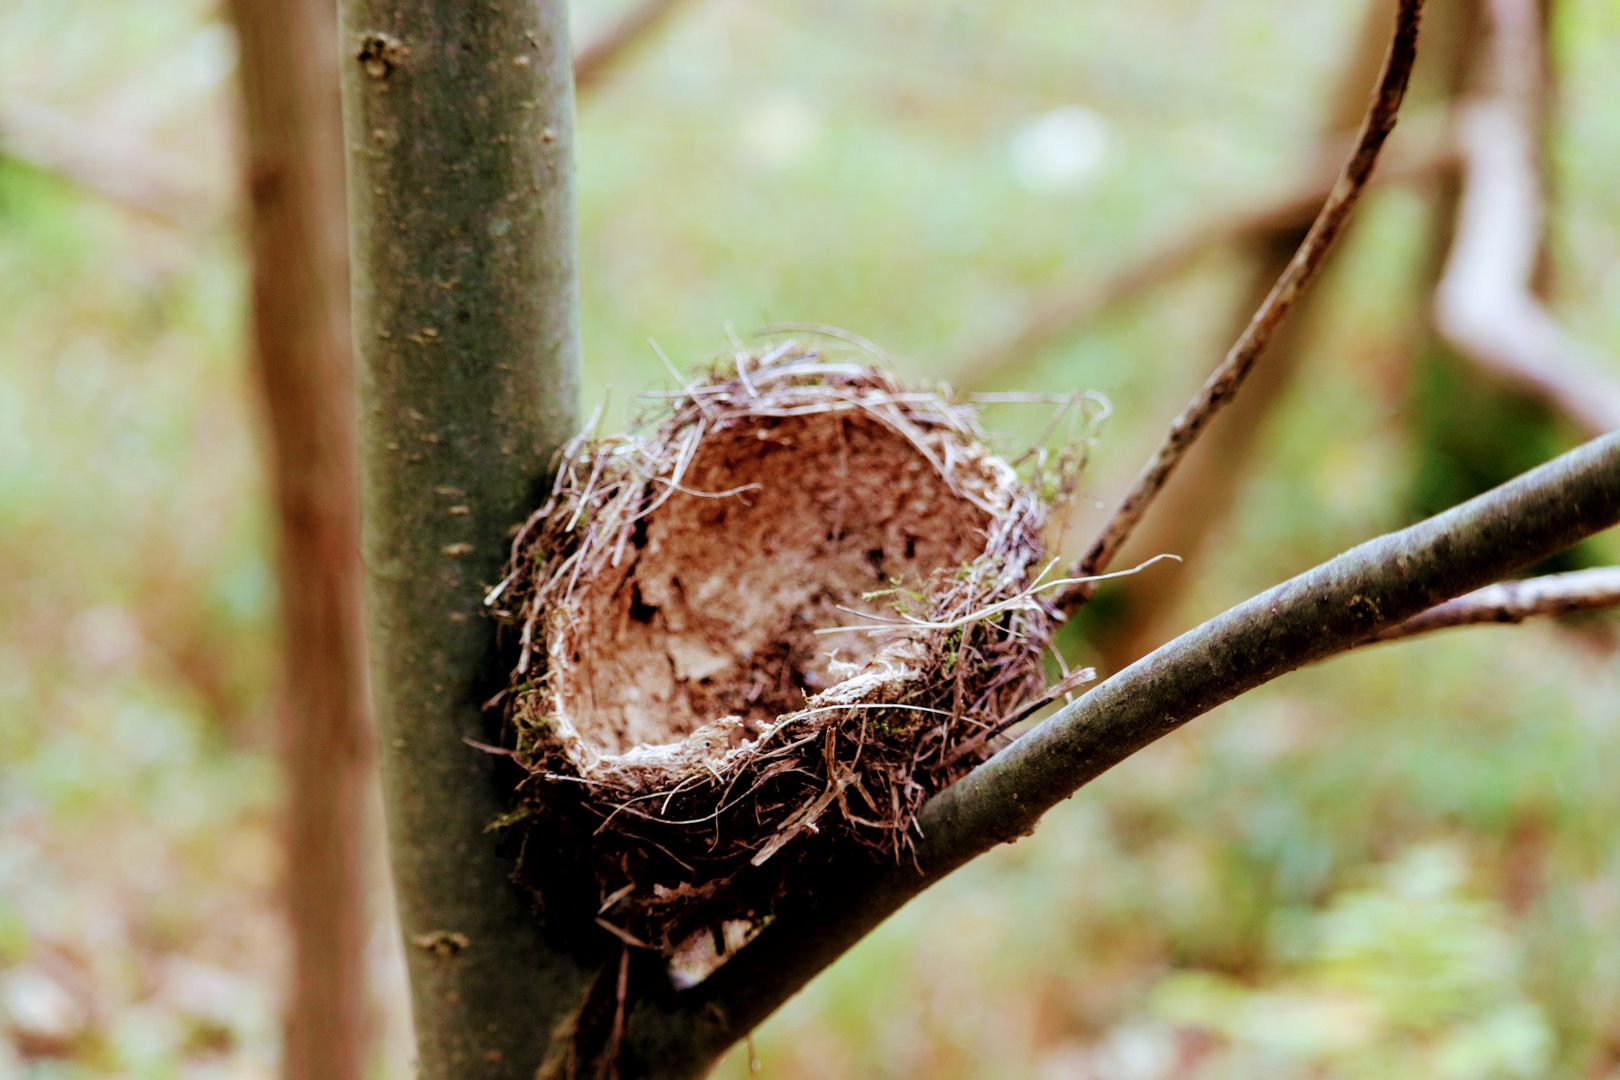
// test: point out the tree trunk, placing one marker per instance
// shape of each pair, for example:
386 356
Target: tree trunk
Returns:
459 129
301 335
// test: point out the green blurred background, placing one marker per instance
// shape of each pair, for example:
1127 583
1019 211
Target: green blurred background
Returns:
1401 863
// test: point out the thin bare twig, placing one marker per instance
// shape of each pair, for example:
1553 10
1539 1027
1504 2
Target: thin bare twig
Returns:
593 60
1223 384
1484 305
1516 601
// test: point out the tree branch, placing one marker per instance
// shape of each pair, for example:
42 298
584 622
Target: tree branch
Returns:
1223 384
1515 601
593 61
1485 306
1073 305
123 169
1314 615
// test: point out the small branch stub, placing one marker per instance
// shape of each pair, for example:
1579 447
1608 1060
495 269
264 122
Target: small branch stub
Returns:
445 944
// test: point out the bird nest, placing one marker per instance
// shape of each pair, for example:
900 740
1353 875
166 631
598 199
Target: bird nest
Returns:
767 629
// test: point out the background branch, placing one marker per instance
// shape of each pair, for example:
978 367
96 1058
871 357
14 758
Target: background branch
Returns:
298 240
1224 383
1485 306
1073 305
594 60
123 169
1515 601
126 171
1204 490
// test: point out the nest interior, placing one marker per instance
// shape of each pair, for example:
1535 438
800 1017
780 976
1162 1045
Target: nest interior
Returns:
715 614
768 628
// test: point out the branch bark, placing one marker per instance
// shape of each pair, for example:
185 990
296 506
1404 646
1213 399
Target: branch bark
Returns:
1224 383
294 179
459 127
1515 601
1485 305
1324 611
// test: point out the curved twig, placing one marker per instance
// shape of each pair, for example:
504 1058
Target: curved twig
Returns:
1223 384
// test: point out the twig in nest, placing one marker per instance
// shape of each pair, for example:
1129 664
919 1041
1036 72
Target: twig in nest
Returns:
610 1056
1070 682
1516 601
1023 601
1223 384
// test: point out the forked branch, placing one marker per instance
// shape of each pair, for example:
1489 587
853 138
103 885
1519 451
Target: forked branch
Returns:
1326 610
1224 383
1516 601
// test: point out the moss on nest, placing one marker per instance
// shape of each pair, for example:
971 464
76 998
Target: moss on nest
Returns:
767 630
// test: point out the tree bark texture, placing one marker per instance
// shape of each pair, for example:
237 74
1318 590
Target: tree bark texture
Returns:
303 364
459 131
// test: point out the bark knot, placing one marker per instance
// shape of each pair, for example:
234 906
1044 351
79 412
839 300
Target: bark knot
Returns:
445 944
379 54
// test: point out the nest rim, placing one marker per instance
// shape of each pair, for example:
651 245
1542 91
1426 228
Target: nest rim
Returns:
982 632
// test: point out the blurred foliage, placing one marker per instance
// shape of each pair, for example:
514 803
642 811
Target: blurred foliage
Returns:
1399 863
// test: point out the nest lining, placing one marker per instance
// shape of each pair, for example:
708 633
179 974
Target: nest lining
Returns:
796 609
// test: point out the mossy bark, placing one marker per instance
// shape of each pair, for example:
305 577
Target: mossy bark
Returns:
459 131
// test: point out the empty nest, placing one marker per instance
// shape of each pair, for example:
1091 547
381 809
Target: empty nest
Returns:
767 629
